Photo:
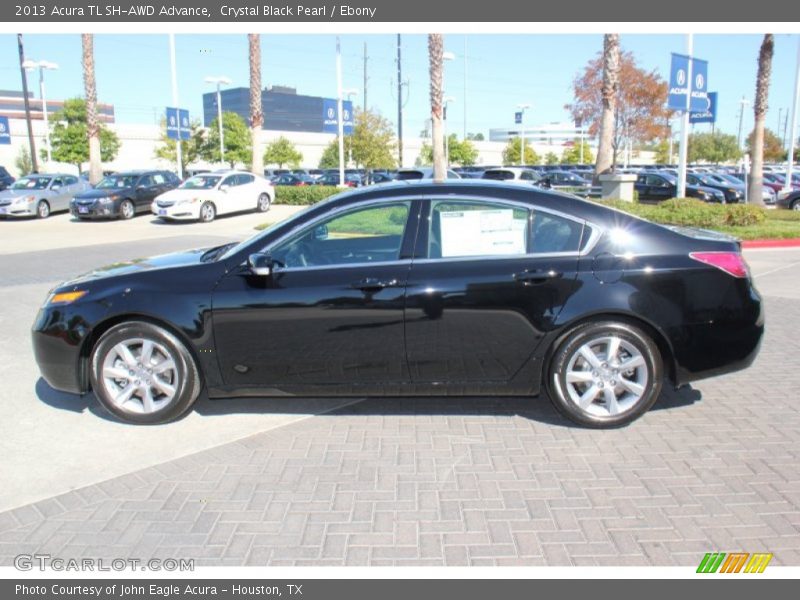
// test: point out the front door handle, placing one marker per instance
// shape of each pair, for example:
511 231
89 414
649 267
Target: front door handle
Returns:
537 276
370 284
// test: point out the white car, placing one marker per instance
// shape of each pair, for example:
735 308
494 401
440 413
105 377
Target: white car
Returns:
204 196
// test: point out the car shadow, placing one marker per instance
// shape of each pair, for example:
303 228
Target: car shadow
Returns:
539 409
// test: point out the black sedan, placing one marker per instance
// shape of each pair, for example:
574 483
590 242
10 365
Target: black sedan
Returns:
656 187
467 287
123 194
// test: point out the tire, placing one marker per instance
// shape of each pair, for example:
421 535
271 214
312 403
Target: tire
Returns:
588 388
263 203
795 205
43 209
127 210
207 212
160 390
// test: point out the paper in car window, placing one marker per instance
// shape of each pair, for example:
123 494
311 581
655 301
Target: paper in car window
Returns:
482 232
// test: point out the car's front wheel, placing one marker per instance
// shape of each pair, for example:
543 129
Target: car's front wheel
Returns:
207 212
142 373
605 374
43 209
127 210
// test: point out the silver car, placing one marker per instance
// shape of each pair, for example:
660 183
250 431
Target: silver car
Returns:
39 195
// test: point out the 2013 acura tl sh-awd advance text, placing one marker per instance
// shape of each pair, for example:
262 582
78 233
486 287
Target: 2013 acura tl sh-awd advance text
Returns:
414 288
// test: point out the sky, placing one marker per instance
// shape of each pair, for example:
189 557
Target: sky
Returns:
501 72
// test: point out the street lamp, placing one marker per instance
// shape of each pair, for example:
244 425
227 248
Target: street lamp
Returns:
522 108
219 81
43 65
349 93
447 100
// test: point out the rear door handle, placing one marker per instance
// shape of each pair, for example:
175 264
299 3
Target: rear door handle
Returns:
372 284
537 276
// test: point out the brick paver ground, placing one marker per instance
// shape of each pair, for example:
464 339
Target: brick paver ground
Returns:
478 481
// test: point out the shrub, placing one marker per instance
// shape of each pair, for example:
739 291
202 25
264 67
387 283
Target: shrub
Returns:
303 195
743 214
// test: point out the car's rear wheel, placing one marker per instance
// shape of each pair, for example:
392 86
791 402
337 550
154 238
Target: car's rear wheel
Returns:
263 203
605 374
127 210
207 212
142 373
43 209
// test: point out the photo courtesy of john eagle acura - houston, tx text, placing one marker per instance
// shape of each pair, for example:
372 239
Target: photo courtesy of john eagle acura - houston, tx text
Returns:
414 288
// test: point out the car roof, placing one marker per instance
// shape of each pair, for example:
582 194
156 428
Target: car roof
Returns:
50 175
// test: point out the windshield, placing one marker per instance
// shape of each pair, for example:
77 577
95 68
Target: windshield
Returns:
201 182
31 183
115 182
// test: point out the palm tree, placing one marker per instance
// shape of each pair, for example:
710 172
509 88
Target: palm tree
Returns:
90 91
605 148
755 187
256 114
436 57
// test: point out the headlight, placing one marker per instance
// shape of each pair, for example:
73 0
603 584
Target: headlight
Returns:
22 199
107 199
65 297
189 201
783 194
702 195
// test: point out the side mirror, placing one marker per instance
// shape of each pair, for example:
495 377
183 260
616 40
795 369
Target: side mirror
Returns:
260 264
321 232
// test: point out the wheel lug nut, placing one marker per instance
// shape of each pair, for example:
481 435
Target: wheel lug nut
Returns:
613 382
600 384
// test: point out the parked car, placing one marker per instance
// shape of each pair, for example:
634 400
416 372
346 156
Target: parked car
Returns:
382 176
769 190
123 194
511 174
790 200
6 179
366 293
562 178
422 173
332 178
733 192
293 179
657 186
203 197
40 195
274 173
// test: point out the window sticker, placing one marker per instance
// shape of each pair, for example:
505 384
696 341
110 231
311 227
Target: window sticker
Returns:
482 232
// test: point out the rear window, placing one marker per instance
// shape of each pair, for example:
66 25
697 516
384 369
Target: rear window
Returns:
498 175
403 175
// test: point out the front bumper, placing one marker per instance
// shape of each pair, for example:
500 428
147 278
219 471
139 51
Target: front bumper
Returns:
27 209
178 211
94 211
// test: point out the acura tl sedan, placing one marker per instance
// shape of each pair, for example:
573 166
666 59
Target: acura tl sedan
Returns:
40 195
413 288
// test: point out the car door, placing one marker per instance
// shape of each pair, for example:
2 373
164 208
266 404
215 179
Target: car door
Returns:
659 188
331 312
228 197
246 192
145 192
59 194
488 280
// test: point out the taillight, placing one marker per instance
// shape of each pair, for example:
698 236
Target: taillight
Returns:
732 263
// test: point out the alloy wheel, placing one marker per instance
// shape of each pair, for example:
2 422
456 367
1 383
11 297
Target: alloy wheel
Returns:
43 210
140 375
606 376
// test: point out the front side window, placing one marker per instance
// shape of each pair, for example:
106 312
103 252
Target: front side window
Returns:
467 228
365 235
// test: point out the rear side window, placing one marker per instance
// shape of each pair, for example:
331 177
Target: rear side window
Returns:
403 175
159 179
245 179
498 175
553 233
475 228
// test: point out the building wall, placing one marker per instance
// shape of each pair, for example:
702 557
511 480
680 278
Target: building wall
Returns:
139 142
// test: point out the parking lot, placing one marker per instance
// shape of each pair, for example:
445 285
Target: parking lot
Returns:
313 481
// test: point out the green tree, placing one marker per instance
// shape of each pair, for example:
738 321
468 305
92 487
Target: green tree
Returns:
714 147
461 153
572 155
662 152
511 153
23 162
773 147
236 135
282 152
330 156
476 137
373 143
551 158
69 137
191 149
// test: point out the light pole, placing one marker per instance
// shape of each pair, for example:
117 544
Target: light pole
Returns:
219 81
683 149
43 65
743 102
447 100
787 186
522 108
349 93
174 81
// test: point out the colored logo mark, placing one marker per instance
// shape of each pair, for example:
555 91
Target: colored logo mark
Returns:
734 562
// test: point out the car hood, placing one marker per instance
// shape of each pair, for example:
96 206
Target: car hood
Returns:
141 265
185 194
94 193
